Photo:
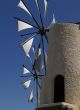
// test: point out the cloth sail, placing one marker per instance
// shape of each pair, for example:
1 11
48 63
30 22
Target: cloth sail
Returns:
25 71
54 21
22 5
36 3
22 25
31 97
38 59
45 4
27 45
27 84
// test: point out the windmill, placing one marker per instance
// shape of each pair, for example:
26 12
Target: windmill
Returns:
37 29
33 76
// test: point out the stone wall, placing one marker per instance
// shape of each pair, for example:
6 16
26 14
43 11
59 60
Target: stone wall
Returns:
64 59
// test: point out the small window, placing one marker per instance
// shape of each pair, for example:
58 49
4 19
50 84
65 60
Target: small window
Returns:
59 89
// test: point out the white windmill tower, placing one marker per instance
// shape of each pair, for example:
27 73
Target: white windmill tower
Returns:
61 85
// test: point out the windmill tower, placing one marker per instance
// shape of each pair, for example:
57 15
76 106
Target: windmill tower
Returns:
61 86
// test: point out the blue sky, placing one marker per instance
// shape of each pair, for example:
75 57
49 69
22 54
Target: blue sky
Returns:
12 94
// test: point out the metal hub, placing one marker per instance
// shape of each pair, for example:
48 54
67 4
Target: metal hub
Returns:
42 31
35 76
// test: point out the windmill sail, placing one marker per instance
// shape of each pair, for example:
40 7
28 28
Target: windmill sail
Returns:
22 5
37 63
42 66
29 58
27 84
27 45
45 4
33 49
39 52
36 3
54 21
31 97
38 59
25 70
22 25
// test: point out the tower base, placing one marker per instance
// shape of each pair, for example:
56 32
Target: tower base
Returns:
57 106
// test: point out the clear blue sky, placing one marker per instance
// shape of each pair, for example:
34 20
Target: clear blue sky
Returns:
12 95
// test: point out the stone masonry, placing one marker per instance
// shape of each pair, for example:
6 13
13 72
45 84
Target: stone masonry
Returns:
63 59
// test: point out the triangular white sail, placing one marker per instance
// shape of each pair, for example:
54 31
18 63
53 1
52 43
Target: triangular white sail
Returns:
39 53
42 66
29 58
25 71
21 5
54 21
22 25
37 64
27 46
36 3
27 84
45 4
33 49
31 97
37 61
